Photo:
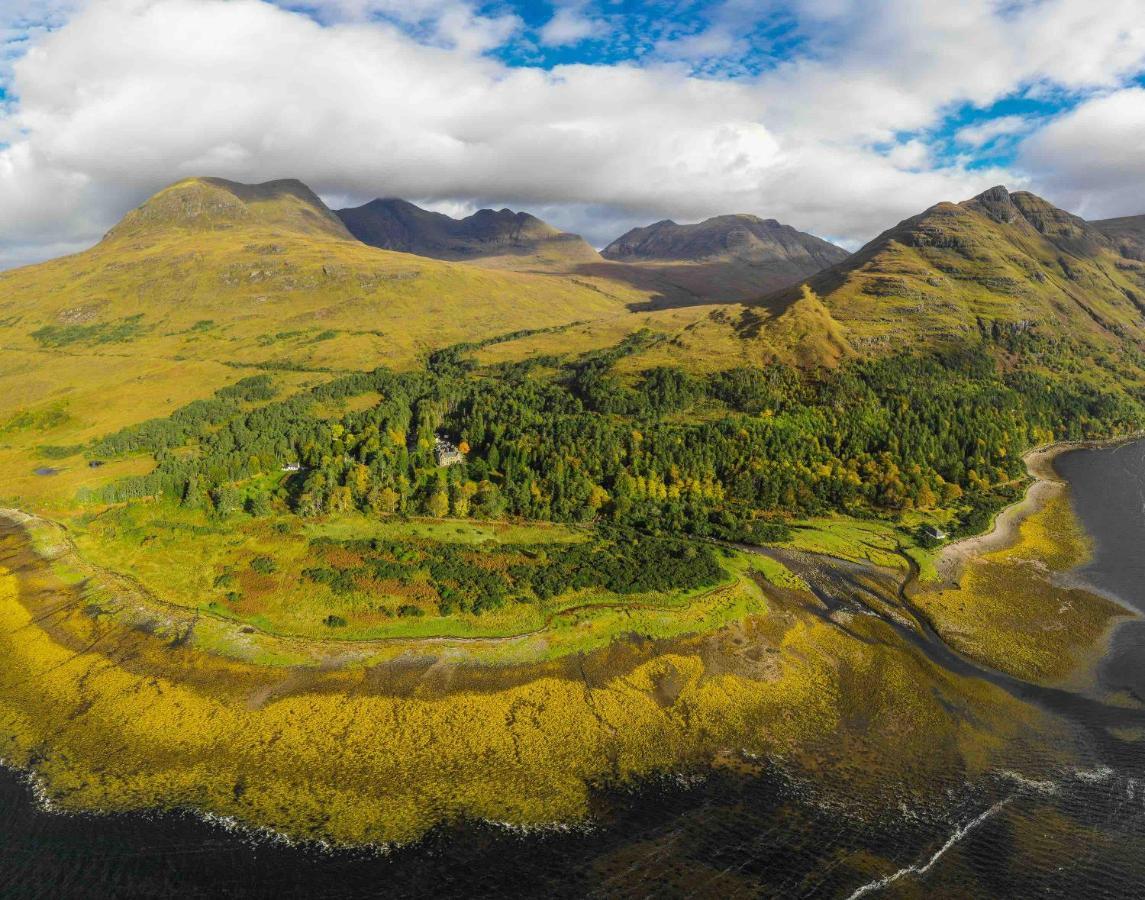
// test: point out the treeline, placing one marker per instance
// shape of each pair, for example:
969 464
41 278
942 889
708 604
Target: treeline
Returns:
725 455
474 580
157 436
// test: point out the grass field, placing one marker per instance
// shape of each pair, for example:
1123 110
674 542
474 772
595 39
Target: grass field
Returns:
882 542
251 572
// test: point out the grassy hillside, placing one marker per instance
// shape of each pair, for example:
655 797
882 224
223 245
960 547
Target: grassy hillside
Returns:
1010 259
209 281
267 275
704 338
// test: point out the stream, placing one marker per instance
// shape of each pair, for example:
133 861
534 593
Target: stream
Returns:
1076 829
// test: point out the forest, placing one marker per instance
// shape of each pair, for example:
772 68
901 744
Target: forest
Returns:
732 455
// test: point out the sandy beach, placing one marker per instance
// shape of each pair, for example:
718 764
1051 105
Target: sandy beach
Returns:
1046 485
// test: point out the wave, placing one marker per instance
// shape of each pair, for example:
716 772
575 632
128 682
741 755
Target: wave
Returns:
959 833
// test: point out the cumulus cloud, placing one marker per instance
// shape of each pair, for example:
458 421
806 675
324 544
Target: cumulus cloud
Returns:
1092 159
989 131
454 24
361 98
570 24
22 22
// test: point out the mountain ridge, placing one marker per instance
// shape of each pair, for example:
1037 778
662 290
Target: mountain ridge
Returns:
1127 233
396 224
272 256
1012 258
725 259
740 236
267 275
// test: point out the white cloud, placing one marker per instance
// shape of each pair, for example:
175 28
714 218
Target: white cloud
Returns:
715 42
361 98
1092 160
570 25
986 132
24 21
449 23
912 154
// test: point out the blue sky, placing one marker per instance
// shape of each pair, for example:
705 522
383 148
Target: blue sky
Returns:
840 117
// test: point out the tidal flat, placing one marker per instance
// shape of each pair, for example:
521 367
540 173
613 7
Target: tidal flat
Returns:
855 690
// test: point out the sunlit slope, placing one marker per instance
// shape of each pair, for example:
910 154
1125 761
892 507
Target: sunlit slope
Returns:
705 338
211 270
199 205
1011 259
210 281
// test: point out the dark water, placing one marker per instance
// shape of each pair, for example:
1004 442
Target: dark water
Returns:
723 838
1109 497
1073 830
1108 494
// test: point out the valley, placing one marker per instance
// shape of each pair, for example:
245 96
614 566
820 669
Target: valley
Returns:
357 543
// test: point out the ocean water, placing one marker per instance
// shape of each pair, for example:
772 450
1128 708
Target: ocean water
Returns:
1108 488
1073 829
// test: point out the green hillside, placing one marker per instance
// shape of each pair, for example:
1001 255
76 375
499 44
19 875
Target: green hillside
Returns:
1009 259
210 280
209 269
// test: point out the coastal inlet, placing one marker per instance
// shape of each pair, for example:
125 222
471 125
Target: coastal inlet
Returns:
863 733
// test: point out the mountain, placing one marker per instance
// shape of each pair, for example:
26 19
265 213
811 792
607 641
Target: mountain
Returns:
724 259
199 205
727 259
394 224
1001 257
1127 233
209 281
761 242
268 267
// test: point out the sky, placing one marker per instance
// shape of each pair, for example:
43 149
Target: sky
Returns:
840 117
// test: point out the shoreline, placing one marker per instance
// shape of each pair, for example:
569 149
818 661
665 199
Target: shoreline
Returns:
1046 485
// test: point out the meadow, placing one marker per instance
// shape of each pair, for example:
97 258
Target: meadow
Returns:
119 715
352 577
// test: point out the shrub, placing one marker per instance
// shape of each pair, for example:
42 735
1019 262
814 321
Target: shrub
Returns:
264 565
